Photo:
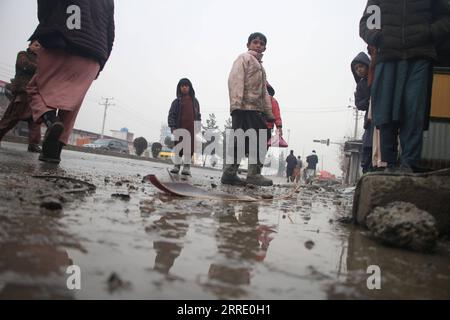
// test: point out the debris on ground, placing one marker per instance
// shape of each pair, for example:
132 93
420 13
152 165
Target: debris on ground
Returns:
309 244
121 196
403 225
51 204
115 283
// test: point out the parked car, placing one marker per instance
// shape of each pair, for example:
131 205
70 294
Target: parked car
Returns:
166 153
110 145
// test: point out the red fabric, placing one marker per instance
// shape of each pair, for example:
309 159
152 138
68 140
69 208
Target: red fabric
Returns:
276 113
188 118
34 132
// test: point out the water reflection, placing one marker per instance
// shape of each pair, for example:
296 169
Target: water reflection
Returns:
241 243
172 228
404 274
39 272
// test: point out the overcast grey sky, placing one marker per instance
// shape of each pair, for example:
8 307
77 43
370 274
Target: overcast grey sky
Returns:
309 50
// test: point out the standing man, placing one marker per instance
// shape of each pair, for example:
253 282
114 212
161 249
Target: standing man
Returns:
312 160
19 107
250 108
406 38
77 40
298 169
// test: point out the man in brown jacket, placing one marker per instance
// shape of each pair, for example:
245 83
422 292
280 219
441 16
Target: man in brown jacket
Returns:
250 108
19 107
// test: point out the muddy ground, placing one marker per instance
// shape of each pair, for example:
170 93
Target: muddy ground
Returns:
133 242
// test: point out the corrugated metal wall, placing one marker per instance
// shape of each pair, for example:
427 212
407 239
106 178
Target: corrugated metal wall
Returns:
436 142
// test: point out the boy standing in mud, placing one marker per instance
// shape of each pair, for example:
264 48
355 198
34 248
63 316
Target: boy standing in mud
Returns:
360 69
250 108
183 113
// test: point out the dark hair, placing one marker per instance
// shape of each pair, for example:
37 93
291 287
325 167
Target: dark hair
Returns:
270 90
255 35
183 82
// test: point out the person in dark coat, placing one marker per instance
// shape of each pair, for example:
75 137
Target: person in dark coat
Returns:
443 52
360 69
312 160
19 107
183 113
406 50
291 161
77 39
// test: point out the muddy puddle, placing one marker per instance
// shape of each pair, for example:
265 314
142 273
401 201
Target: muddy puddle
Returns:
130 241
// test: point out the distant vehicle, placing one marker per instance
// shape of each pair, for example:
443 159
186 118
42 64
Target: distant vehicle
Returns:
110 145
166 153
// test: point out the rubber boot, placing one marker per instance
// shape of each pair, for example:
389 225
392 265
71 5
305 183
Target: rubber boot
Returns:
260 166
54 157
255 178
230 176
176 169
51 146
186 170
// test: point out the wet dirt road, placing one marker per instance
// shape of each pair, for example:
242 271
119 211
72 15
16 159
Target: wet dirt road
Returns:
151 246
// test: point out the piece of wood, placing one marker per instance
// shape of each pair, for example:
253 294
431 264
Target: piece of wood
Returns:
183 189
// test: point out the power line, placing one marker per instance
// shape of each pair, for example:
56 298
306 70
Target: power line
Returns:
7 69
6 65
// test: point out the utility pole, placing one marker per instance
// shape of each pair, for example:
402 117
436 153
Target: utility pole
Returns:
355 136
106 104
356 123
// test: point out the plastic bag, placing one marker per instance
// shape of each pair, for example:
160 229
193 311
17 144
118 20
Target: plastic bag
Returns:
277 141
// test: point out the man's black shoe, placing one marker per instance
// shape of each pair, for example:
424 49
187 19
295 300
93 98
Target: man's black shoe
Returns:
51 146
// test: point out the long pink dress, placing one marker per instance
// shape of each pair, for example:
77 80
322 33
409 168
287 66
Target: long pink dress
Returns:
61 82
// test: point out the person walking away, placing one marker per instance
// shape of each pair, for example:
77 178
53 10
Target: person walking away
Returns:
75 50
19 107
312 160
291 161
298 170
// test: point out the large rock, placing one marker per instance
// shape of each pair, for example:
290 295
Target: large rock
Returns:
429 192
403 225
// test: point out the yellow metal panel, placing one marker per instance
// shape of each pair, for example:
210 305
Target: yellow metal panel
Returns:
440 103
